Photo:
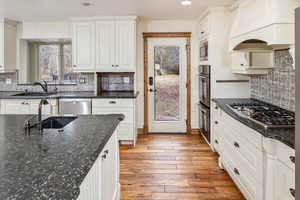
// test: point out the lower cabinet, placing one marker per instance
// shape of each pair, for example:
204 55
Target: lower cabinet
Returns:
27 106
262 168
102 181
127 107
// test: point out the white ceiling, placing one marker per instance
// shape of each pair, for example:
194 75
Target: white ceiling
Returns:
49 10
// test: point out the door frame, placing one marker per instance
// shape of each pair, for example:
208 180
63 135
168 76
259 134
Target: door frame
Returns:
186 35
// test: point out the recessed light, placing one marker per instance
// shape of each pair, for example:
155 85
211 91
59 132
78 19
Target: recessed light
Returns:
86 4
186 2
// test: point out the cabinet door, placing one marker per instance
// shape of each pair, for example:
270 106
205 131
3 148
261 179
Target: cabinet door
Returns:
285 182
240 60
125 46
1 46
15 107
105 46
84 46
110 169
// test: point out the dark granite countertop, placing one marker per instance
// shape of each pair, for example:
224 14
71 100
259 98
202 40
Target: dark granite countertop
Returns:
62 95
52 165
284 135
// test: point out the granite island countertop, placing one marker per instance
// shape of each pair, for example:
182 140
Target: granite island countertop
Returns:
284 135
52 165
63 95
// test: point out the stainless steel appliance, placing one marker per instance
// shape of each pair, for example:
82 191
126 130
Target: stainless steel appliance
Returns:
204 100
75 106
266 115
203 50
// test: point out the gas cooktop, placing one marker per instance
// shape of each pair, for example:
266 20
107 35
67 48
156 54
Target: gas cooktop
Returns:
267 115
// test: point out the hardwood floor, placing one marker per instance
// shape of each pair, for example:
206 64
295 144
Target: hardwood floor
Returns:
173 167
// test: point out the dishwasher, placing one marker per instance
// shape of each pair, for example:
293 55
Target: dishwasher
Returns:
75 106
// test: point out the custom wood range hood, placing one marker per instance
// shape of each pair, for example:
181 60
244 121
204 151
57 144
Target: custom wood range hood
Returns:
259 27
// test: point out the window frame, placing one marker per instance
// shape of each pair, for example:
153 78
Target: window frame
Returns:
61 61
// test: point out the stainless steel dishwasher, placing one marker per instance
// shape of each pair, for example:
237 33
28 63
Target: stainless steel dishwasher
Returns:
75 106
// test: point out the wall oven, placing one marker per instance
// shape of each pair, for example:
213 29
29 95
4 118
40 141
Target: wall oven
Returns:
204 50
204 100
204 85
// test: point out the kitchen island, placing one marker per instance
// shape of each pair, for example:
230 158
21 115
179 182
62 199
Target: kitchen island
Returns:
55 164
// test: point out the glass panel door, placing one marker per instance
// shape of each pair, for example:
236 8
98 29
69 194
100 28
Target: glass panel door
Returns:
166 64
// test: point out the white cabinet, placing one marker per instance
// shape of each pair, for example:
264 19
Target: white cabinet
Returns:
216 131
25 106
204 27
127 130
285 182
254 62
8 46
83 44
104 44
102 181
115 46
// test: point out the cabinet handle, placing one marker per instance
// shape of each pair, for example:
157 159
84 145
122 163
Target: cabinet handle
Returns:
216 141
74 66
1 66
117 65
293 159
104 157
216 122
106 151
202 32
236 171
242 65
113 65
293 192
112 102
236 145
216 107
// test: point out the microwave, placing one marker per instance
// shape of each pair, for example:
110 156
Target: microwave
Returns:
204 50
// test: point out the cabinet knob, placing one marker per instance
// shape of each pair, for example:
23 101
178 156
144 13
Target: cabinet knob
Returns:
202 32
117 65
113 65
104 157
293 192
216 107
216 122
106 151
293 159
236 171
216 141
74 65
112 102
242 65
236 145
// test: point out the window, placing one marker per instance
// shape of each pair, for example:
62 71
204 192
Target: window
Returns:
55 62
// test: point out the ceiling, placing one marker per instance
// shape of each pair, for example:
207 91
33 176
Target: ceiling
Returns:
49 10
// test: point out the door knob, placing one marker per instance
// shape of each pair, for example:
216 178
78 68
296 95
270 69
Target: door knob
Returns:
151 90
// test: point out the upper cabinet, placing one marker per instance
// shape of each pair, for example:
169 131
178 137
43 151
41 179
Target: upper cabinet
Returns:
204 28
8 45
105 45
83 42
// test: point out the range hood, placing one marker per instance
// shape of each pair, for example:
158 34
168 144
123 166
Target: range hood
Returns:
271 21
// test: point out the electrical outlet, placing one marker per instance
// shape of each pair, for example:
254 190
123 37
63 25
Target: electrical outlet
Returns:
82 80
8 81
126 80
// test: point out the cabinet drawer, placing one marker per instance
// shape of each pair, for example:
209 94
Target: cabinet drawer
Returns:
286 155
250 162
127 112
245 134
126 132
112 102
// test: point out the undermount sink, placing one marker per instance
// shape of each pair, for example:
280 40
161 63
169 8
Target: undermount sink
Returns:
33 94
57 122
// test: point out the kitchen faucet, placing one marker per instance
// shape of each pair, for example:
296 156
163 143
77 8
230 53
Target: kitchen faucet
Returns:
43 86
42 102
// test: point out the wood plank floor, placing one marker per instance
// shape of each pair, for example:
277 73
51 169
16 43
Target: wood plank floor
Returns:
173 167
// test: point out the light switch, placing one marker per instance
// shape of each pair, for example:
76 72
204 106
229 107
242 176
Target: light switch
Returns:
126 80
8 81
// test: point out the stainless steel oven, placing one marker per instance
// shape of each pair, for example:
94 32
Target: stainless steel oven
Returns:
204 85
204 121
204 50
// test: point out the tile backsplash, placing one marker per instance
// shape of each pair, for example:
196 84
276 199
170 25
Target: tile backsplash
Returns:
87 85
278 87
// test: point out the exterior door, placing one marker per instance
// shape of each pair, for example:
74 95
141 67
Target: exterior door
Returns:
167 94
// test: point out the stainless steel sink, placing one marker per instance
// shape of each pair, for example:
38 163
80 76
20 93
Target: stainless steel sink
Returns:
57 122
33 94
